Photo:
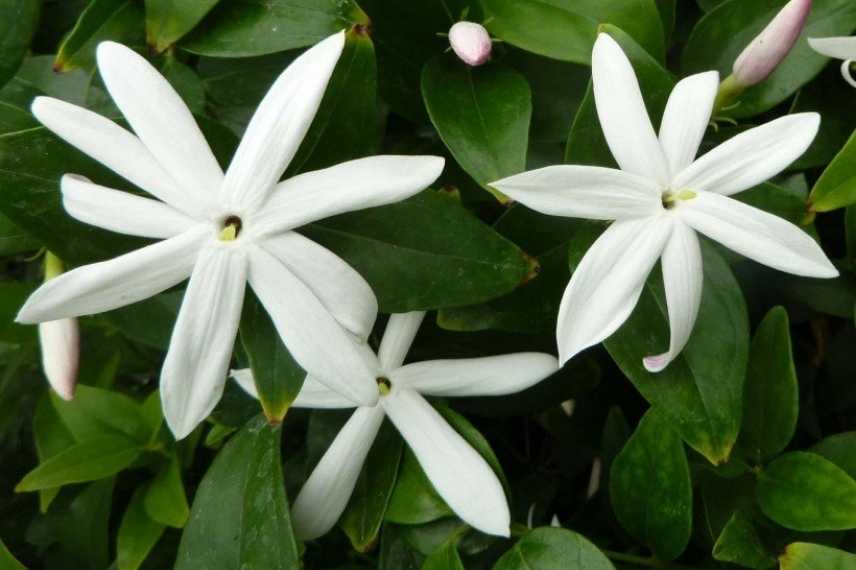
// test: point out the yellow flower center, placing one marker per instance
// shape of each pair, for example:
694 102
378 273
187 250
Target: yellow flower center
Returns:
231 229
672 197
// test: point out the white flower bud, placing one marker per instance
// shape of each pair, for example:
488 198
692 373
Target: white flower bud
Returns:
60 342
471 42
771 46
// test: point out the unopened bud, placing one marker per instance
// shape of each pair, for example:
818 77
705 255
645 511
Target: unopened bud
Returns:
471 42
60 343
771 46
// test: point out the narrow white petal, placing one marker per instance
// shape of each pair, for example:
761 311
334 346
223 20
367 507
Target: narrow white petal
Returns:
120 211
622 113
752 157
161 120
846 72
400 331
589 192
760 236
839 48
315 339
683 277
353 185
197 362
686 118
606 285
115 283
60 344
459 474
323 498
115 148
338 286
313 394
487 376
279 124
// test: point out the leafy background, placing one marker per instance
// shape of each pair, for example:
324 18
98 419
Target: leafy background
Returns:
741 453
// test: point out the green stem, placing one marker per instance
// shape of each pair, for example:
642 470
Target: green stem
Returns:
53 266
728 94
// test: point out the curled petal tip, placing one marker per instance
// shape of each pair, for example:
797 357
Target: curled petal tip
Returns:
655 364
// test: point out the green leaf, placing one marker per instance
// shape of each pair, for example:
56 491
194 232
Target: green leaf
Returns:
52 437
83 528
277 376
552 548
586 143
482 114
12 297
414 500
117 20
840 449
701 391
444 558
165 501
771 393
13 240
650 487
725 31
96 412
806 556
474 437
259 27
566 29
240 515
88 461
363 517
836 187
804 491
740 544
186 82
138 534
8 561
167 21
18 22
413 266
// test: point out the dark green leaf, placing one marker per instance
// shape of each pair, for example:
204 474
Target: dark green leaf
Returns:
836 187
7 560
51 437
414 500
240 515
804 491
167 21
474 437
186 82
165 501
12 297
12 239
444 558
841 450
650 487
117 20
553 548
740 544
95 412
805 556
18 20
138 534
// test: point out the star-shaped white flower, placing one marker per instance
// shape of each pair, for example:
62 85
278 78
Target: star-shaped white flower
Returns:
223 230
459 474
660 198
838 48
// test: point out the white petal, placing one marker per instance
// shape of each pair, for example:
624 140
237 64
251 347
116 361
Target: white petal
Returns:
197 362
752 157
161 120
115 148
313 394
686 118
622 113
400 331
315 339
683 277
587 192
338 286
323 498
108 285
487 376
244 378
60 344
279 124
459 474
839 48
353 185
760 236
846 73
120 211
606 285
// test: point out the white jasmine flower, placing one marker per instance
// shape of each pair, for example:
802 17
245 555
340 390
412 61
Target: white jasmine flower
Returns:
470 42
659 199
223 229
459 474
838 48
59 341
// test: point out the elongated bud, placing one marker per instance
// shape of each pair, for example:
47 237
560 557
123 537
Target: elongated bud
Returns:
771 46
471 42
60 343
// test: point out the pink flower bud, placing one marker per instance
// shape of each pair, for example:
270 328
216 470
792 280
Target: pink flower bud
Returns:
60 341
471 42
771 46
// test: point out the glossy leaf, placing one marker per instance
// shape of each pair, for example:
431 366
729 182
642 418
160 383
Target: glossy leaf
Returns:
806 556
96 412
117 20
550 548
12 296
13 240
7 560
240 517
566 30
138 534
167 21
52 437
771 399
650 487
836 188
18 20
840 449
740 544
804 491
259 27
412 266
414 500
482 114
164 500
444 558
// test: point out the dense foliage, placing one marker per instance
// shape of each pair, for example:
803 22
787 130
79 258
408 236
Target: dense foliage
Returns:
742 453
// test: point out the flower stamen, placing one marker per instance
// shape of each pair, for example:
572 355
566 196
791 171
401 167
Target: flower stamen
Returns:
231 229
384 386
